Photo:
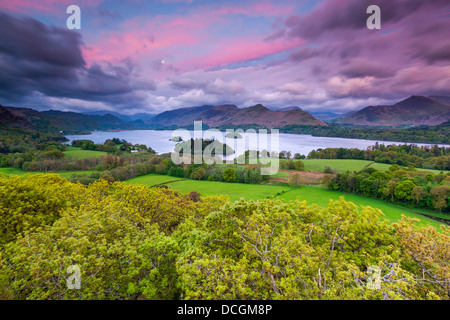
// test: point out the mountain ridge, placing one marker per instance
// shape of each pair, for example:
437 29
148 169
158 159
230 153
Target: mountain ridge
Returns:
412 111
231 115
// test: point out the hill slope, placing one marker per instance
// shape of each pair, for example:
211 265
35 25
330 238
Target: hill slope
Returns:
414 111
178 117
8 119
55 121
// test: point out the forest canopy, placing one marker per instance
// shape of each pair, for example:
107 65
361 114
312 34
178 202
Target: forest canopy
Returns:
137 242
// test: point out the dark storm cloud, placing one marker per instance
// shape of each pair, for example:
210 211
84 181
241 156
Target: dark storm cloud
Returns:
30 40
304 54
35 57
32 54
186 84
351 14
362 68
409 55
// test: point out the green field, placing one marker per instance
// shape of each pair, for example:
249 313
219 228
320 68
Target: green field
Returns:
234 191
322 197
312 195
340 165
152 179
64 174
9 171
77 153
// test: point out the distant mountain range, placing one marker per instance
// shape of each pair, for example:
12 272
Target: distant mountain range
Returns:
231 115
413 111
123 117
211 116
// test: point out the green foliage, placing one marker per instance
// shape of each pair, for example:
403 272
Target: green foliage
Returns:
413 188
118 235
403 190
441 196
137 242
203 146
292 165
198 174
274 250
229 175
418 193
118 258
14 140
32 201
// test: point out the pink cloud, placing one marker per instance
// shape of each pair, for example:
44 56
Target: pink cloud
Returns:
243 49
189 39
140 43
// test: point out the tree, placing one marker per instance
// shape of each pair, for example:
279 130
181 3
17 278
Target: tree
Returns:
119 235
295 180
299 165
418 193
390 188
229 175
283 154
198 174
107 177
32 201
53 154
327 179
427 252
403 189
274 250
118 258
440 197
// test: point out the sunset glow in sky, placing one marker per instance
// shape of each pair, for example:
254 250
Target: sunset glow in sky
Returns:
151 56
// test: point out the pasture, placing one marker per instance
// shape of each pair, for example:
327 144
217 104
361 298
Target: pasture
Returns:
312 195
77 153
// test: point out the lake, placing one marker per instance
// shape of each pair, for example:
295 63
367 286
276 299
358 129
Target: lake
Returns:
159 140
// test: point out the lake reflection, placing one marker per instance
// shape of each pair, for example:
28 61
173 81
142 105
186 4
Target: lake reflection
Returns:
159 140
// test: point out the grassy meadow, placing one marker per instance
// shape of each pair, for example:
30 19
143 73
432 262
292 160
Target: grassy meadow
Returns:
312 195
342 165
77 153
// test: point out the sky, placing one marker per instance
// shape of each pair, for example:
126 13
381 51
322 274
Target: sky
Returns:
151 56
